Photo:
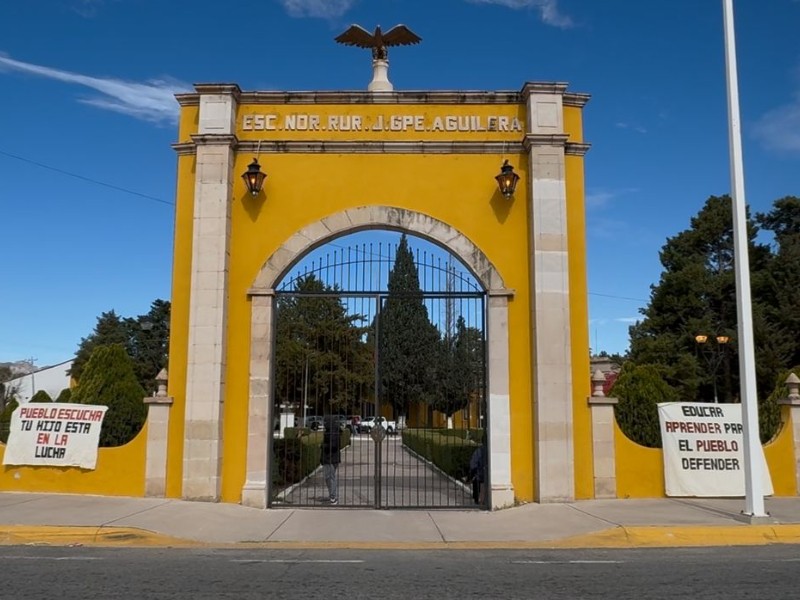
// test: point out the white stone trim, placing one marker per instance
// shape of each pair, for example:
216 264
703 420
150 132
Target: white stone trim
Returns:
603 450
256 489
794 423
551 363
208 299
155 471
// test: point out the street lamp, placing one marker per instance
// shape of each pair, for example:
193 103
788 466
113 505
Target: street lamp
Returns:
713 353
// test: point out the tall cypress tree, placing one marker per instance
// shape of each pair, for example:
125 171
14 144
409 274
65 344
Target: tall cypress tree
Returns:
110 329
109 380
461 369
409 351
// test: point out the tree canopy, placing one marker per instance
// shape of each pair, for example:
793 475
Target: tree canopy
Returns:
696 295
409 349
321 351
145 339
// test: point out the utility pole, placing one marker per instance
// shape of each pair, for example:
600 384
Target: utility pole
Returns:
753 478
32 362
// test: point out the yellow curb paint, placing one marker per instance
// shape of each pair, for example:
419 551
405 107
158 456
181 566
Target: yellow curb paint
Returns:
15 535
618 537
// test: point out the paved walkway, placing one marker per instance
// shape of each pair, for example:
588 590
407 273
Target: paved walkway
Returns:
407 481
62 519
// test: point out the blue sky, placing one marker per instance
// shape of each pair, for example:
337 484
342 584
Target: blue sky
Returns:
87 174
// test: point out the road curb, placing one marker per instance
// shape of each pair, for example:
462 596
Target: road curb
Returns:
617 537
47 535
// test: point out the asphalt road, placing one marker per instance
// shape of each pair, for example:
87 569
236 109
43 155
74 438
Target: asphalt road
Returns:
83 573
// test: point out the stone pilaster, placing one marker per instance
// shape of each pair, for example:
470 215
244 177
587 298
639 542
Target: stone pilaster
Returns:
205 392
502 490
550 316
255 492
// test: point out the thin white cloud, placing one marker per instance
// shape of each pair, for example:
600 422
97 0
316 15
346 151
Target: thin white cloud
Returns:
636 128
87 8
548 10
628 319
779 129
152 101
601 198
321 9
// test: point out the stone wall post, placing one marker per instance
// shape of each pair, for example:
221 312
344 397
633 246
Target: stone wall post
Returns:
158 405
793 401
604 457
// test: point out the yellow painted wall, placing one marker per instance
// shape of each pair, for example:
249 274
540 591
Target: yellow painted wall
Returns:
640 470
119 472
579 311
458 189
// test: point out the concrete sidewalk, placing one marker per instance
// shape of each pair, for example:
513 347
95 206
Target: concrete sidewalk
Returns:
62 519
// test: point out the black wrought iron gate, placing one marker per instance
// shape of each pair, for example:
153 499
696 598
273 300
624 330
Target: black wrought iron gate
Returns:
381 354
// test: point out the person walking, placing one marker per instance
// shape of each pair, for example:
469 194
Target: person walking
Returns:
331 444
477 472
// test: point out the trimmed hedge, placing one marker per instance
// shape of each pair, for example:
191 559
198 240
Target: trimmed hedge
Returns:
447 450
297 454
475 435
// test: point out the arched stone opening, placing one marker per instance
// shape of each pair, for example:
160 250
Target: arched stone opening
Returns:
256 489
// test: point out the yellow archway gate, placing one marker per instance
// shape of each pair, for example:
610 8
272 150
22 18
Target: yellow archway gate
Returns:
338 162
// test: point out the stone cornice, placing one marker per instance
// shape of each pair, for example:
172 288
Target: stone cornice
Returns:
537 139
602 401
188 99
576 149
163 400
542 87
230 89
362 97
260 292
378 147
504 292
576 99
184 148
214 139
403 97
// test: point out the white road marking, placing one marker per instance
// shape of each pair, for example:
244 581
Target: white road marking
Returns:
50 558
567 562
292 560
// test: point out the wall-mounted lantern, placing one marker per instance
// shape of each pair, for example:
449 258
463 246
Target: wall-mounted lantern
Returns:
254 177
507 180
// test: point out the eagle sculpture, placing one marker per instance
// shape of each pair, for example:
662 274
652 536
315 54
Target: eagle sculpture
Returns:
399 35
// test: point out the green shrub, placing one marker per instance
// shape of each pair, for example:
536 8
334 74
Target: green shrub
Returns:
5 419
41 396
65 396
108 380
640 389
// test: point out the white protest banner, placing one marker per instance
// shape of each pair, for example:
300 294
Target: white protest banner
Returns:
58 435
703 450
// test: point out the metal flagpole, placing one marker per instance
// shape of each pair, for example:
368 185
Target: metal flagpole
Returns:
753 478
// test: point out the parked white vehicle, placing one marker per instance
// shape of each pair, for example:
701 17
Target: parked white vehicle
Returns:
368 423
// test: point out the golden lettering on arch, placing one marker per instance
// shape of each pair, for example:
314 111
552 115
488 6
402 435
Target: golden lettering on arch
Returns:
381 122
